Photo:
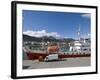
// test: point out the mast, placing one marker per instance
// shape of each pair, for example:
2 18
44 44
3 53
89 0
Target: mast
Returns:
42 43
78 33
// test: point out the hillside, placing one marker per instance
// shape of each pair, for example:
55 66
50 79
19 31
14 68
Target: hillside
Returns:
46 38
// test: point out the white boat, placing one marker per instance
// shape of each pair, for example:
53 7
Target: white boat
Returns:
82 45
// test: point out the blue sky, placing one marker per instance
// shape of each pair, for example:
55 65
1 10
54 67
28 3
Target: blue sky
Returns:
62 24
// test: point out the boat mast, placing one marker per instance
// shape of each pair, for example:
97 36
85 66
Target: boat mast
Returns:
43 43
78 33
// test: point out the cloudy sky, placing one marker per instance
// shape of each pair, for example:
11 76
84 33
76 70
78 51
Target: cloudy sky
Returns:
57 24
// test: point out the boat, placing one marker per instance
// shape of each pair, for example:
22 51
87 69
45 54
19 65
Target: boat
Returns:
79 49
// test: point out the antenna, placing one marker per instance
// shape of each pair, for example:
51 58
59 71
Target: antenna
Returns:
78 33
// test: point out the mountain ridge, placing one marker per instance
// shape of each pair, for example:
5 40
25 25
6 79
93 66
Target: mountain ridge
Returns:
45 39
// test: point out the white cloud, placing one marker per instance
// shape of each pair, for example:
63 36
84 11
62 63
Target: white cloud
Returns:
41 33
86 16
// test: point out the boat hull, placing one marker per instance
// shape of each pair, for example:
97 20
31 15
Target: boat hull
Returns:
33 55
